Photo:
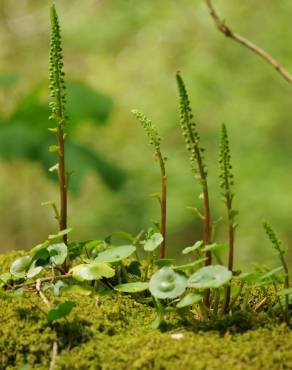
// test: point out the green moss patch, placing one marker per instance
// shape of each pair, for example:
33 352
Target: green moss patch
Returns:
114 333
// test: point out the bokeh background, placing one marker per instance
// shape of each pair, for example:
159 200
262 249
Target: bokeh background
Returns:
123 54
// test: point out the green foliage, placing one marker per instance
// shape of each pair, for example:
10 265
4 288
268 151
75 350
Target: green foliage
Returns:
20 266
58 253
152 242
210 277
166 283
61 311
116 254
189 300
103 268
92 271
23 134
132 287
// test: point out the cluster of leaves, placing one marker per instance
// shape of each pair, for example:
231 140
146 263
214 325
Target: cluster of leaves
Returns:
104 267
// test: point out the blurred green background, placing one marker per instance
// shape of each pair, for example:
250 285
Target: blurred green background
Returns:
123 54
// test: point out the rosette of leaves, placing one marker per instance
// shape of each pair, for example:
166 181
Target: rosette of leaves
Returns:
166 283
42 256
24 267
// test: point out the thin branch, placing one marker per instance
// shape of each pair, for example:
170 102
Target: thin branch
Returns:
42 280
228 32
38 287
54 355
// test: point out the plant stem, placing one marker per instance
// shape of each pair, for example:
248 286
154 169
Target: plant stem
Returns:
245 299
286 285
57 87
216 302
226 183
232 303
163 202
62 181
231 247
207 232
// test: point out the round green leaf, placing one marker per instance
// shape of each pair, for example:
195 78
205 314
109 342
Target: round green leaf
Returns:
20 266
166 283
189 300
153 242
210 277
58 253
92 271
115 254
132 287
60 311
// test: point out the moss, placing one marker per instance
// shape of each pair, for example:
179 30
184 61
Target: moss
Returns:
114 333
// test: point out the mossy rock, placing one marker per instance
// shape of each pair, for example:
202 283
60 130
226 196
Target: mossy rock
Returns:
114 333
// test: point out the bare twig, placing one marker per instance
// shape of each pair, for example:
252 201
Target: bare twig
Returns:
38 287
54 355
41 294
42 280
228 32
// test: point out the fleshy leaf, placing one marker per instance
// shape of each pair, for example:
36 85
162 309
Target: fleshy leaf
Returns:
166 283
34 270
92 271
189 300
60 311
153 242
58 253
132 287
115 254
210 277
20 266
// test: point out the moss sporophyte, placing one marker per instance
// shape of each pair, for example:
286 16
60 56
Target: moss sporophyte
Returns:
47 282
